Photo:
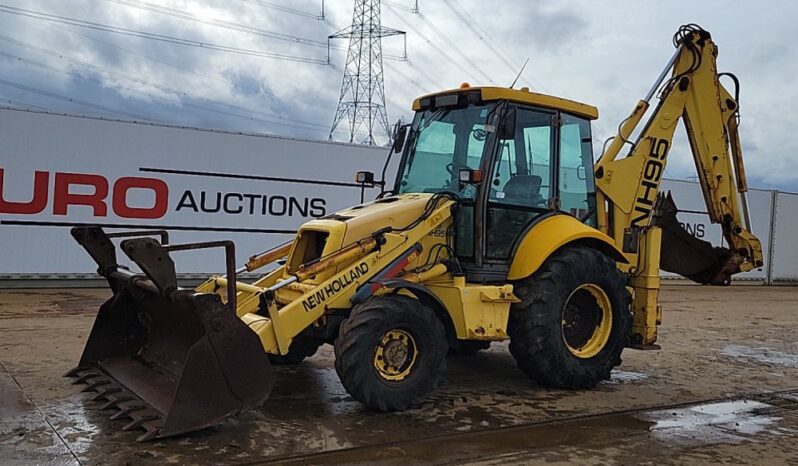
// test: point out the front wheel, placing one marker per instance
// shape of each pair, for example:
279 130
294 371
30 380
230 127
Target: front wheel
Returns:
390 352
573 320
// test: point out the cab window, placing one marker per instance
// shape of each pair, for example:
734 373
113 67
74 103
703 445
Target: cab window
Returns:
446 141
577 191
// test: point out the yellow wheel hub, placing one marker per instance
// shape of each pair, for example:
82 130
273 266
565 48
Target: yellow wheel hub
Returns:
587 321
395 355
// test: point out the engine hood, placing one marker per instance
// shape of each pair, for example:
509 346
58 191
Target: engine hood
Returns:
395 211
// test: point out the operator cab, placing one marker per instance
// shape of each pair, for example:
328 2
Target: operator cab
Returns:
512 156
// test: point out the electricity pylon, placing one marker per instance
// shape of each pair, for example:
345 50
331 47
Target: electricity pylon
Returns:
362 99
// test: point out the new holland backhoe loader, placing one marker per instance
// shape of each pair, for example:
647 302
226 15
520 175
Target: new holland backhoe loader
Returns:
498 226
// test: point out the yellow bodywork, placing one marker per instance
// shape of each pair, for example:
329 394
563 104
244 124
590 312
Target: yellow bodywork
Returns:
478 312
626 188
549 235
522 96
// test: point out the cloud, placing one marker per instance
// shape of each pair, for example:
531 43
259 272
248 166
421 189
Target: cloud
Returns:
606 54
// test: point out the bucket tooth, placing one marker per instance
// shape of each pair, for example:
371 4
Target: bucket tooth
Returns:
150 434
127 411
139 421
82 378
103 394
97 383
74 371
113 402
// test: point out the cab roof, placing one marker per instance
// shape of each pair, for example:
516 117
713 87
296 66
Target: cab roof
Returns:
522 96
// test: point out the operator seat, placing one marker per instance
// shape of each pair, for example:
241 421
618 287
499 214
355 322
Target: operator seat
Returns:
520 190
524 190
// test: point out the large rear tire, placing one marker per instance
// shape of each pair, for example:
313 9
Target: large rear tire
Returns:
390 352
573 320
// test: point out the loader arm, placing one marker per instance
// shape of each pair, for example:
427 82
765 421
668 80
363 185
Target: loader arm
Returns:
334 282
640 219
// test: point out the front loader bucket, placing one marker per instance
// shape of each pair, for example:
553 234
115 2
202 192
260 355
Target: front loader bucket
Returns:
686 255
168 359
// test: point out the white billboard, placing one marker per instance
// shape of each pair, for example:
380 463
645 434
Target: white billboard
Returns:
59 171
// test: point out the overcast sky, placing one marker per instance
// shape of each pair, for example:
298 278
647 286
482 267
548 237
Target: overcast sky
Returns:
603 53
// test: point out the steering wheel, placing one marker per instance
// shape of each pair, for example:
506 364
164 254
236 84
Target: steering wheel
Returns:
479 134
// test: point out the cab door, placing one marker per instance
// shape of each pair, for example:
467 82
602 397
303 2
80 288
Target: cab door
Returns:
544 168
522 182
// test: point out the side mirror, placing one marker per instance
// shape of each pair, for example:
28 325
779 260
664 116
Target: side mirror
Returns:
399 133
468 176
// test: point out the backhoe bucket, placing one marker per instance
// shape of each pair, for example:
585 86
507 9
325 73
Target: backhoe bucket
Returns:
686 255
168 359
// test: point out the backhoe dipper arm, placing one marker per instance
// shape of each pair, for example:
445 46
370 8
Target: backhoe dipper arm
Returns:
628 187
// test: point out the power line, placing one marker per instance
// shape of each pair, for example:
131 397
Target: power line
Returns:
152 36
491 43
481 31
480 36
400 6
432 44
421 71
407 78
326 19
454 46
147 57
155 8
294 11
285 9
182 94
222 81
84 103
21 104
471 24
317 128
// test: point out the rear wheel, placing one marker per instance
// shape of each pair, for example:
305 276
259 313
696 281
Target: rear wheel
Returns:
390 351
573 321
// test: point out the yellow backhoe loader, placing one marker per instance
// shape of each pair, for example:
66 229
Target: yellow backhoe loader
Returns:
498 226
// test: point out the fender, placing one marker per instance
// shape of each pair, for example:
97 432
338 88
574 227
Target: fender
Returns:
551 234
423 294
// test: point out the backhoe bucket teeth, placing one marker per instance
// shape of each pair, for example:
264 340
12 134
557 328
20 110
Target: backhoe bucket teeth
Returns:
168 360
686 255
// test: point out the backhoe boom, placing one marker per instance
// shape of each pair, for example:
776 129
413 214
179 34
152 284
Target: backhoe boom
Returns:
629 211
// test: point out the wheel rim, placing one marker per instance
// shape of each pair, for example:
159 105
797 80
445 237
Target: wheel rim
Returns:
395 355
586 321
